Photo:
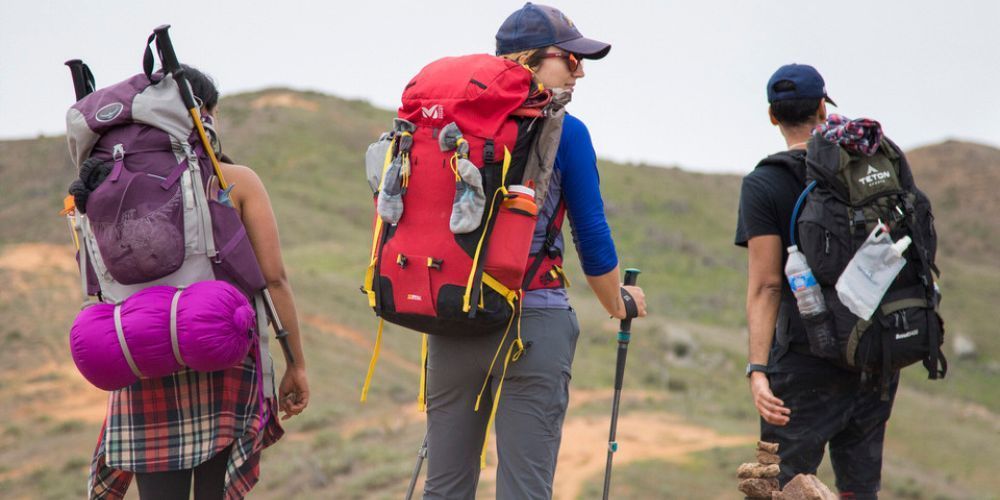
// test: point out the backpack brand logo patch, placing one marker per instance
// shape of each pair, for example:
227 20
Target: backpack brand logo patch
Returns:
413 296
109 112
435 112
906 335
874 177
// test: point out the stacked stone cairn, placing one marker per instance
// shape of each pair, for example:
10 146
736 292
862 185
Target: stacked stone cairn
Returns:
759 480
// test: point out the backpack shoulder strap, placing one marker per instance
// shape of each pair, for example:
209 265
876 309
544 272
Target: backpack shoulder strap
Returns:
792 162
548 248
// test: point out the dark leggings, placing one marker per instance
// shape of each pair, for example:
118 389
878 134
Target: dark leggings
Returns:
209 481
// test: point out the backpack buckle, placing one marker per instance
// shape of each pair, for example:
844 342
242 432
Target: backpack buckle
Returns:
401 260
858 222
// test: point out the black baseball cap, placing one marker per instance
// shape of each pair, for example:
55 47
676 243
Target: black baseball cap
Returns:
807 83
534 26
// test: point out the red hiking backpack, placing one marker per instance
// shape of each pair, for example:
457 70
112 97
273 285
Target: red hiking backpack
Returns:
458 113
421 274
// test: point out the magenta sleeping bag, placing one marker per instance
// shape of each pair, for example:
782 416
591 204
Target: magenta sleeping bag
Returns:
207 326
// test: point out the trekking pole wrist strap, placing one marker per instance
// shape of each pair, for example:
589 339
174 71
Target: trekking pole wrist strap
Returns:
631 309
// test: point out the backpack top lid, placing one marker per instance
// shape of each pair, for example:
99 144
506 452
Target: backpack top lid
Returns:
136 100
853 176
478 92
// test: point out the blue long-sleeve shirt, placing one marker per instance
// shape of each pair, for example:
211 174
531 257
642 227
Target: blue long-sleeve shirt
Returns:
575 180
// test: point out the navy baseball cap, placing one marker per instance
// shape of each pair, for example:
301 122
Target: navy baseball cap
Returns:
807 84
535 26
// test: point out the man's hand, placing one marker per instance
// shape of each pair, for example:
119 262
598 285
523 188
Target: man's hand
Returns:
293 392
772 409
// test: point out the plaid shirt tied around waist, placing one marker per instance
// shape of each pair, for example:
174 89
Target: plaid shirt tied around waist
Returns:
182 420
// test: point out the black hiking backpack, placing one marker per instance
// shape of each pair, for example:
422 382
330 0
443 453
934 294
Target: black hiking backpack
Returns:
847 195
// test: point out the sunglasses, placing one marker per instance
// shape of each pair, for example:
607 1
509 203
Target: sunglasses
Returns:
572 61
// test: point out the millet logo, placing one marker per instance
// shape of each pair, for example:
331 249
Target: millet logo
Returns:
413 296
906 335
435 112
874 177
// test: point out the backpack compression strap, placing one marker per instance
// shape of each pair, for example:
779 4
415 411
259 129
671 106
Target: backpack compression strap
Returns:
474 285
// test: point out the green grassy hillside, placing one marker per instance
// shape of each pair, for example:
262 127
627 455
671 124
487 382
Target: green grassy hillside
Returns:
688 409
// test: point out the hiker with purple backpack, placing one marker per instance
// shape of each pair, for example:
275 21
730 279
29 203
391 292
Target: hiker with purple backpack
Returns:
138 151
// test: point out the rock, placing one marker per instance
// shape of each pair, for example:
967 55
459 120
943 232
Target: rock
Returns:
768 458
964 347
768 447
806 487
757 470
758 487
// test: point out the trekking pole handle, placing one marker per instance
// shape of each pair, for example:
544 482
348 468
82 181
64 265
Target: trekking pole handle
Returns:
631 277
166 49
79 78
168 58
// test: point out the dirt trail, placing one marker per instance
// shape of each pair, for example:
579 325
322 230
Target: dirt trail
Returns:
38 257
645 435
641 436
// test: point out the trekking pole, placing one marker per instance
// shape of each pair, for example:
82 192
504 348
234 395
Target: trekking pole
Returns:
624 334
170 65
83 79
279 331
421 455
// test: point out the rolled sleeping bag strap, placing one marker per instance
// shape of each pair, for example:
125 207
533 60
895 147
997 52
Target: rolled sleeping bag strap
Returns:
174 344
121 342
631 309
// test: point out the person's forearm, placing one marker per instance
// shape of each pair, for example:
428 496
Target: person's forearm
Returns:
607 287
281 294
762 311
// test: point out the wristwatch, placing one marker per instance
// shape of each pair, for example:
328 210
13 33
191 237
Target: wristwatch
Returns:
751 367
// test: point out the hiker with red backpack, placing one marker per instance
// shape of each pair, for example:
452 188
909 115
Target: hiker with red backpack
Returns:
531 343
155 211
822 370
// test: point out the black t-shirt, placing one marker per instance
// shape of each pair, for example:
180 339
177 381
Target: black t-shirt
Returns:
767 199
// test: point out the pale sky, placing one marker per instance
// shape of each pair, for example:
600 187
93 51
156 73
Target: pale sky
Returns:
684 83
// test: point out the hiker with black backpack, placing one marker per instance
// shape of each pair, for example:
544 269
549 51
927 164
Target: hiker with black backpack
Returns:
822 372
535 386
202 427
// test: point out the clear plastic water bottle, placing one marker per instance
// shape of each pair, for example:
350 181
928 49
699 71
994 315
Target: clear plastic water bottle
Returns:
812 307
803 283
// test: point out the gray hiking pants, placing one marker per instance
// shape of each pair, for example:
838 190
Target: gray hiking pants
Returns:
529 419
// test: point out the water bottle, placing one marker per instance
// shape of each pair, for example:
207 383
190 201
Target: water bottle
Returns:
812 307
871 271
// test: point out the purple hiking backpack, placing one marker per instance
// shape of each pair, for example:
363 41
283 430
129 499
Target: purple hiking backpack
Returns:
156 219
159 217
